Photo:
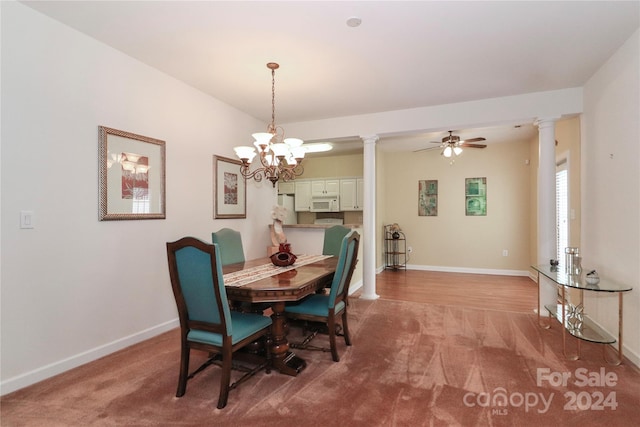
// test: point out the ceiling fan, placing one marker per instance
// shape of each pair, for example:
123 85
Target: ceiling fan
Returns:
452 145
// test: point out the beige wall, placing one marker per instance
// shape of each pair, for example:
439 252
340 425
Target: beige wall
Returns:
568 137
381 203
332 166
453 239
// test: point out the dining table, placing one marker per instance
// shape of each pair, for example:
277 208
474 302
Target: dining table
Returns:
258 281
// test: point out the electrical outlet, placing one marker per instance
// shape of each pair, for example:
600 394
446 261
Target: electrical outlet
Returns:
505 252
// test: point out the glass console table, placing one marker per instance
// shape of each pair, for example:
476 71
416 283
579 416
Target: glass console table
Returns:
572 316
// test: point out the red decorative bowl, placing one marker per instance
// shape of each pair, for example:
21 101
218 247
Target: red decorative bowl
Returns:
283 259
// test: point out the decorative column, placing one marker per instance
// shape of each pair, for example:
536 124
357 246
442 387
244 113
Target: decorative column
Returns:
368 242
547 233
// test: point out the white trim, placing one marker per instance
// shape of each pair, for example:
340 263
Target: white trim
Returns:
48 371
353 287
369 218
626 351
563 161
469 270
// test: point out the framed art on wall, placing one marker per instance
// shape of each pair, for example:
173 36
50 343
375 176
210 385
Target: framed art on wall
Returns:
132 176
230 189
428 198
475 196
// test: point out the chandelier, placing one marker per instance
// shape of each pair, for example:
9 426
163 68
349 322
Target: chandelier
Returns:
280 158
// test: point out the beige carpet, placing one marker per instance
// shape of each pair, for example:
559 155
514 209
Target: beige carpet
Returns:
410 365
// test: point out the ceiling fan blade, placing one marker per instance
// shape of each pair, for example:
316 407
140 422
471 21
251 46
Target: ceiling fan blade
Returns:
426 149
472 145
473 140
435 142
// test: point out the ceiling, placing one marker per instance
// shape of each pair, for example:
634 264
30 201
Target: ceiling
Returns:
403 55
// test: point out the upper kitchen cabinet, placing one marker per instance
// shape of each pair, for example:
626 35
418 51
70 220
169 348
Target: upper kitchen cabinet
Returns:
325 187
303 196
351 194
288 187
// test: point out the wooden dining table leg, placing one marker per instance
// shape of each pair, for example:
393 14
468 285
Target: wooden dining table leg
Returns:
285 361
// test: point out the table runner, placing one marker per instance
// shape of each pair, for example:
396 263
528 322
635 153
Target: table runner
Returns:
243 277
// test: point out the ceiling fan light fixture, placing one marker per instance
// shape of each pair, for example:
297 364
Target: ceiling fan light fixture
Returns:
447 152
457 150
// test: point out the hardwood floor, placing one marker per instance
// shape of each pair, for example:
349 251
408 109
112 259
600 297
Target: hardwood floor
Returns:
491 292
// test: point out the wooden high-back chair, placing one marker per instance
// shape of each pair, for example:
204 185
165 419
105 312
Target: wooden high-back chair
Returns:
325 308
206 322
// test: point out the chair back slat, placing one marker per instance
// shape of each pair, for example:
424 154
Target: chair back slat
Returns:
198 287
230 244
344 270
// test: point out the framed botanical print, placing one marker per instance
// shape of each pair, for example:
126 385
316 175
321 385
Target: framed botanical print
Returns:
230 189
428 198
475 196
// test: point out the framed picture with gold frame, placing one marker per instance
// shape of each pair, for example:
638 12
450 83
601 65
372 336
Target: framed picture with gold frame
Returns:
132 176
230 189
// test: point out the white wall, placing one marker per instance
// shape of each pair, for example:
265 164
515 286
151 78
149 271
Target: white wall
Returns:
73 288
611 187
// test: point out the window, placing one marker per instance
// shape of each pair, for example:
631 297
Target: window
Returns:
562 209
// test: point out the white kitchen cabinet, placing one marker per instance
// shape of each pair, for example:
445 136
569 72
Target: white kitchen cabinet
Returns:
325 187
351 194
360 196
303 196
286 187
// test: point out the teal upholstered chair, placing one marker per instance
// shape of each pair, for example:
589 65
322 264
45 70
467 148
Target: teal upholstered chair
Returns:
230 243
333 239
206 322
326 308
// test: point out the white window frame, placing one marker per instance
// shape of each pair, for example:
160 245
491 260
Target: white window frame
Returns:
563 218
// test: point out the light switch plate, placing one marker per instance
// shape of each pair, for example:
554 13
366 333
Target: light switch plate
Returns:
26 219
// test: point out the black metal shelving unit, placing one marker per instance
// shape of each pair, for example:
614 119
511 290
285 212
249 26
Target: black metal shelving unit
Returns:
395 249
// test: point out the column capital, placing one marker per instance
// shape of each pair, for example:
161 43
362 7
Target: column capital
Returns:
370 139
542 122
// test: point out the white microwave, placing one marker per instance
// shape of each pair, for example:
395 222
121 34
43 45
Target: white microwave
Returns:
325 204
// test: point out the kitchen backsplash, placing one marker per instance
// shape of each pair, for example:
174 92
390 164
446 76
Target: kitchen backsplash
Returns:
349 217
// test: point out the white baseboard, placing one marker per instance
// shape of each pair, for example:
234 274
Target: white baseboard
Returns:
40 374
626 351
469 270
356 286
48 371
